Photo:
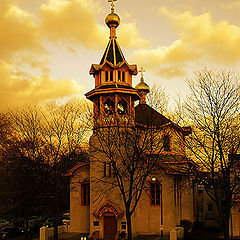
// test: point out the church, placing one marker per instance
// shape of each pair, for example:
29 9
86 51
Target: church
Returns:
163 195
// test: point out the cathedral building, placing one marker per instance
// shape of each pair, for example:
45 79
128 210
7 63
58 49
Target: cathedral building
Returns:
97 208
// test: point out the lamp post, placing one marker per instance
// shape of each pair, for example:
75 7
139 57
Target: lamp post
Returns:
161 207
154 179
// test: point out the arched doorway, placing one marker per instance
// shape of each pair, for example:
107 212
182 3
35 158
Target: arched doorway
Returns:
109 212
110 225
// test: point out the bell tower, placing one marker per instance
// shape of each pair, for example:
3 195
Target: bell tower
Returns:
113 96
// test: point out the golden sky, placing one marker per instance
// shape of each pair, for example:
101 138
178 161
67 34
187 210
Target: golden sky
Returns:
48 46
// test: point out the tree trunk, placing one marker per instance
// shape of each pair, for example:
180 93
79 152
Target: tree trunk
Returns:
226 227
26 229
55 233
129 225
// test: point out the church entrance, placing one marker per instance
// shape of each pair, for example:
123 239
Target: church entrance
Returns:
110 226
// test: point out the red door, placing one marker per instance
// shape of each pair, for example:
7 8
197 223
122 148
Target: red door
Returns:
110 227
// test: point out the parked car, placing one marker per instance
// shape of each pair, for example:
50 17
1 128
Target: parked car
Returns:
50 222
3 223
19 222
9 232
66 221
33 225
66 218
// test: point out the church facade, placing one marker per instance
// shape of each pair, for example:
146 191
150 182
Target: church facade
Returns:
96 208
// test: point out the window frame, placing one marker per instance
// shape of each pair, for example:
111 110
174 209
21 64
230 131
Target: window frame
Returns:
106 76
85 194
155 191
167 148
123 76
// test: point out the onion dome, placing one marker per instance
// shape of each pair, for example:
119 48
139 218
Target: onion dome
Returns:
112 20
142 86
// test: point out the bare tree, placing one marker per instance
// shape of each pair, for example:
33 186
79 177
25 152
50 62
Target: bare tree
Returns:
158 99
46 143
213 108
9 197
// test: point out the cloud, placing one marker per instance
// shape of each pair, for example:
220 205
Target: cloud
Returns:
216 42
169 71
17 30
75 22
199 40
167 61
72 22
230 5
16 90
24 74
129 36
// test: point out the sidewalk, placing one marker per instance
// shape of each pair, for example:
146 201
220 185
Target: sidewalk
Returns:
206 234
67 236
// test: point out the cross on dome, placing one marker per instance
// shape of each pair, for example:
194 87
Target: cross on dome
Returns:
142 70
112 8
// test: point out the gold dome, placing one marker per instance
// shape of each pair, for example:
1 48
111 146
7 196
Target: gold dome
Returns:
142 86
112 20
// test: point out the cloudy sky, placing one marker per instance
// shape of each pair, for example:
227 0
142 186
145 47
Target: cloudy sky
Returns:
48 46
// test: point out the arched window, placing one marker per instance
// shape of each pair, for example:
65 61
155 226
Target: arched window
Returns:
166 143
109 107
122 107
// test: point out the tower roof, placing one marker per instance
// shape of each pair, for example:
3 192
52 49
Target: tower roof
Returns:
113 53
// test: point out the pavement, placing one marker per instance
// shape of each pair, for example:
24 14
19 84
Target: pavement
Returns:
203 234
207 234
67 236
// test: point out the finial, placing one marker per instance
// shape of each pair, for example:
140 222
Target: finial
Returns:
112 8
142 70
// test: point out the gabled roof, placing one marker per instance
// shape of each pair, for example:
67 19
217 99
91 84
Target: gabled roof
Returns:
113 53
146 115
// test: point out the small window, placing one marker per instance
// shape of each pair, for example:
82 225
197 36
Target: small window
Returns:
210 207
85 194
166 143
95 223
124 225
155 193
106 76
123 76
104 169
119 76
109 170
111 76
